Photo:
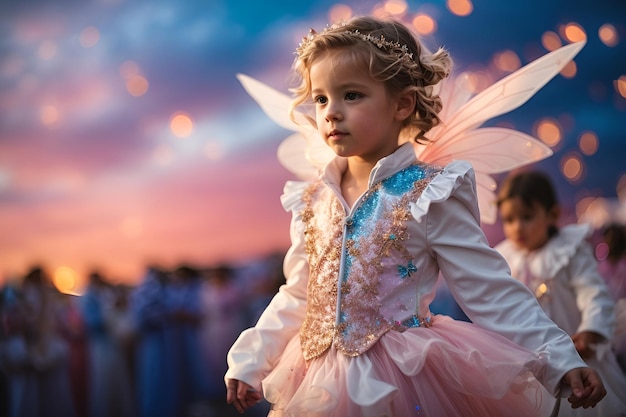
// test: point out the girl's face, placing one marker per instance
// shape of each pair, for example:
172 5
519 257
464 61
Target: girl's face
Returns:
527 227
355 114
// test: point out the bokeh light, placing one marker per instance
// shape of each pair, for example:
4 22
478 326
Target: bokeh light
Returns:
181 125
507 61
339 13
608 35
460 7
137 85
588 143
65 279
572 167
549 131
620 86
395 7
551 41
569 70
574 32
49 116
424 24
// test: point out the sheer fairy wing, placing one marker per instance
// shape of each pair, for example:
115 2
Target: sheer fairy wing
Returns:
492 150
274 103
485 189
507 94
303 157
302 153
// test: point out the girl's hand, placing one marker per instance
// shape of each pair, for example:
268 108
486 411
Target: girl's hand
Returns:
587 387
241 395
585 343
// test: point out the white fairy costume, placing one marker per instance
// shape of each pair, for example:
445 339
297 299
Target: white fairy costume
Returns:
350 332
564 277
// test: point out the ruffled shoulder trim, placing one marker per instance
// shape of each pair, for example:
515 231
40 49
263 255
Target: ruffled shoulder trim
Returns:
292 195
454 176
562 248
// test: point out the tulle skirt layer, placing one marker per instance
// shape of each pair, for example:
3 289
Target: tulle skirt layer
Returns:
453 369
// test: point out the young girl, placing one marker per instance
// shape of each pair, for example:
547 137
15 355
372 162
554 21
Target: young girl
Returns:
350 333
613 270
559 267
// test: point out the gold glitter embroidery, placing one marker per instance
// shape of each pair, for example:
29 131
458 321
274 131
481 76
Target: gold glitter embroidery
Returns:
374 251
323 216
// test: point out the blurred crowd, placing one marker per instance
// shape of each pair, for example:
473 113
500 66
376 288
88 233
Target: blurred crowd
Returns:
157 349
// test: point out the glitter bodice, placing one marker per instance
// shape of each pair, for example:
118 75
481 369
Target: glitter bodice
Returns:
362 277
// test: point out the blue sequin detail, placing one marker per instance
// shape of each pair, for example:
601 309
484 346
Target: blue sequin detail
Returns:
398 184
404 180
405 271
412 321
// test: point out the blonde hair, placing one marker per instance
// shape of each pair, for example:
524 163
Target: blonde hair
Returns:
392 55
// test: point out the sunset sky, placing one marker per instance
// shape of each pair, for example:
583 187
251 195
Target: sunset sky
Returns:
126 139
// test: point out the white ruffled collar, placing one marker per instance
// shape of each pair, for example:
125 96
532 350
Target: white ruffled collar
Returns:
546 261
384 168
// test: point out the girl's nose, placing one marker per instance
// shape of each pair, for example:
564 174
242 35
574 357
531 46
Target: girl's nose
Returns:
333 113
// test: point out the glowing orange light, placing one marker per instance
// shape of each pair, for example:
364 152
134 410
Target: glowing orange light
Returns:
89 37
47 50
569 70
588 143
507 61
460 7
551 41
379 11
65 279
137 85
548 131
395 7
608 35
572 168
620 86
339 12
181 125
424 24
573 32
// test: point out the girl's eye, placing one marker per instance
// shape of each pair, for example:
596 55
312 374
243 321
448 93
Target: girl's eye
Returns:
352 96
320 100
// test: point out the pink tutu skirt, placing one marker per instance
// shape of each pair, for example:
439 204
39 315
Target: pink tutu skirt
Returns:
453 369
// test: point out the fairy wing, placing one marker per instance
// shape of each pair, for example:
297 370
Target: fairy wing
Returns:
505 95
492 150
303 153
